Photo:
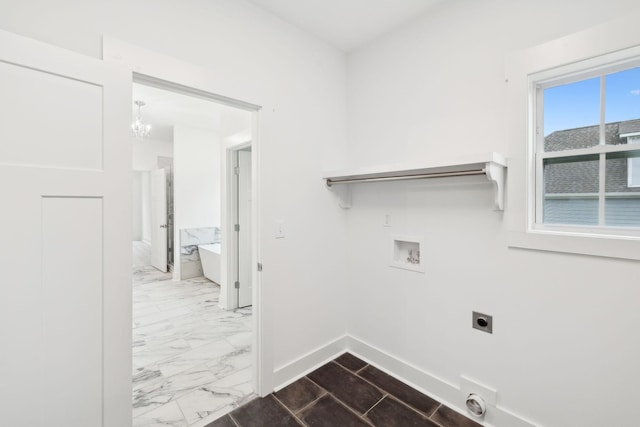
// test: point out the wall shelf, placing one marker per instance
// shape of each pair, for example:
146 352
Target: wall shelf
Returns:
490 165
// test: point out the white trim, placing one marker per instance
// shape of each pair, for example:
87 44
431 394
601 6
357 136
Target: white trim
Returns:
591 151
298 368
587 67
602 176
572 243
616 195
229 300
176 73
603 91
452 395
599 50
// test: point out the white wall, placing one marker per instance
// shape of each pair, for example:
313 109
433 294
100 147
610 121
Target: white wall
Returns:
565 341
299 81
196 174
141 206
145 159
147 151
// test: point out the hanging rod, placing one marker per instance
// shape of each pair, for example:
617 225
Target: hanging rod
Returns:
331 182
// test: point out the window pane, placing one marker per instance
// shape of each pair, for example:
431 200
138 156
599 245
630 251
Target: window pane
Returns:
572 115
622 105
622 201
571 190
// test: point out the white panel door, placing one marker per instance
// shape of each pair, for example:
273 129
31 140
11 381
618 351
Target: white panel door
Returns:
65 250
244 238
159 219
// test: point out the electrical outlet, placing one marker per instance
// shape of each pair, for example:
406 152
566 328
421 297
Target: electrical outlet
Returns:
482 322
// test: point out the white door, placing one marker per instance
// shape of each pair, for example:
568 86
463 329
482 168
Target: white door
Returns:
159 219
244 235
65 240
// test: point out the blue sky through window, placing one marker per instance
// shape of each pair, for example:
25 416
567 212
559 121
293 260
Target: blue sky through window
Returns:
577 104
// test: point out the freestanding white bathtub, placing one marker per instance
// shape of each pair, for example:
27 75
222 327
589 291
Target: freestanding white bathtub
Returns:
210 259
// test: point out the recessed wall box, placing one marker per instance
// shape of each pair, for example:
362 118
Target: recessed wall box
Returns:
406 253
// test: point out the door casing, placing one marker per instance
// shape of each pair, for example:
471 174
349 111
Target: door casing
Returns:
172 74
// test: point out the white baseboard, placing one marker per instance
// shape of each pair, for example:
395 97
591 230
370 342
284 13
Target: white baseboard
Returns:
291 372
452 395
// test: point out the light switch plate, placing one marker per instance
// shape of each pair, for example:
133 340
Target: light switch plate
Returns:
279 229
387 220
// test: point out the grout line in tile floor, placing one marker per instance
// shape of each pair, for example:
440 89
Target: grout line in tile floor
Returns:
392 407
289 410
362 416
233 420
309 404
376 404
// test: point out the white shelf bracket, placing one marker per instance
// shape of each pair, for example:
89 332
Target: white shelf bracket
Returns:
496 174
343 193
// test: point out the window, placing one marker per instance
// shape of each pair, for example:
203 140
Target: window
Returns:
586 146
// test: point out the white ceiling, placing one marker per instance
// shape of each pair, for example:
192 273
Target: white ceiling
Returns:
346 24
165 109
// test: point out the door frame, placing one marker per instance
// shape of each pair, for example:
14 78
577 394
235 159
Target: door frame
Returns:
229 255
164 72
162 224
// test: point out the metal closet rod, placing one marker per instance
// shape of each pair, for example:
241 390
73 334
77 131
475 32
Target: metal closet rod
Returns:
331 182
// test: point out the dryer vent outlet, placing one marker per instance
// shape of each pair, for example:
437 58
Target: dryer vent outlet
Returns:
476 405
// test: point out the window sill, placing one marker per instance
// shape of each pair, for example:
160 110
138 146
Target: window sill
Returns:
574 243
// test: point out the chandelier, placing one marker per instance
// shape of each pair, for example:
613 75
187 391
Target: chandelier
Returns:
140 129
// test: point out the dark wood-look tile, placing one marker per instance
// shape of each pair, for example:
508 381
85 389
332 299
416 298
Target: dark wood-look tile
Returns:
400 390
299 394
264 412
447 417
225 421
391 413
350 362
346 386
328 412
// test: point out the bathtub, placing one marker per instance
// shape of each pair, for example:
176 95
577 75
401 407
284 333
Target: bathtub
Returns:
210 259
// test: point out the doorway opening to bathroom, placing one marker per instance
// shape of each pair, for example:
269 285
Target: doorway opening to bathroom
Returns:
193 359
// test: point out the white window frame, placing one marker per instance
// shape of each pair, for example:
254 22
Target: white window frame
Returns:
598 49
598 67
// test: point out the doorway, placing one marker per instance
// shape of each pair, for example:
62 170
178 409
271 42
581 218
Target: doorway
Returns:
193 358
238 177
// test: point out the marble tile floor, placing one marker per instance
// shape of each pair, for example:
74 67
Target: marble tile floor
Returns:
191 359
141 253
346 392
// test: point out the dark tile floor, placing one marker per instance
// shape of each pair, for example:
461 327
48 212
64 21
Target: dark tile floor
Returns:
346 392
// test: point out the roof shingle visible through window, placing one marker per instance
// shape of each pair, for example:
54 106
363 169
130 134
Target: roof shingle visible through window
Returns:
580 175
